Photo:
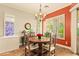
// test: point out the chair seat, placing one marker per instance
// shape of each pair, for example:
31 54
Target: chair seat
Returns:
47 47
52 48
32 47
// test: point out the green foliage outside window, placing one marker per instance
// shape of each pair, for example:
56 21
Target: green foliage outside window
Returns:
49 26
61 30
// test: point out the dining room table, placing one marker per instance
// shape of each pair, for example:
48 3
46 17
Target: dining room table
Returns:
40 42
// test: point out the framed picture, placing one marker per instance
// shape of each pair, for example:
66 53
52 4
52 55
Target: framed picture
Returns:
9 25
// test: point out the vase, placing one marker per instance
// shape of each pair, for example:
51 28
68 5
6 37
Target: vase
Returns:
39 37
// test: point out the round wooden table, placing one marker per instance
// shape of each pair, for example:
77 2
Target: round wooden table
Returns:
40 42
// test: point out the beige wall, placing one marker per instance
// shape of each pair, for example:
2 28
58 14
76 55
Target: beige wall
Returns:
20 19
7 44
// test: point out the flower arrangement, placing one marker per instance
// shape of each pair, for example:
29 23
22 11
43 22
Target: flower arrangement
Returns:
39 36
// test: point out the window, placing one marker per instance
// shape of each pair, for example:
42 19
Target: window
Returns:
57 25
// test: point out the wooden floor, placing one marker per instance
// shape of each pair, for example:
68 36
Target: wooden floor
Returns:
60 51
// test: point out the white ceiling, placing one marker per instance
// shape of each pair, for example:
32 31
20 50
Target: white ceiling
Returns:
33 8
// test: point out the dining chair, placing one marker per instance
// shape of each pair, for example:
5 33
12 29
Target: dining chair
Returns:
51 46
32 34
29 47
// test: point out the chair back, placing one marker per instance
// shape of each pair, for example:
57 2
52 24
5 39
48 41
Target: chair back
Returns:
52 41
27 44
53 38
32 34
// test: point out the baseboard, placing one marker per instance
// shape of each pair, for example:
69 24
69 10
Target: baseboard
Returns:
67 48
64 46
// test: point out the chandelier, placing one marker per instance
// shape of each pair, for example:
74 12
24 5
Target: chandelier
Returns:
39 16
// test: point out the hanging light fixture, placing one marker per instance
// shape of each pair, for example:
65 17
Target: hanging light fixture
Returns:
39 15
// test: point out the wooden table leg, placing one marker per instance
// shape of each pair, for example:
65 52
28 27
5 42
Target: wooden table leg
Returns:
40 49
25 51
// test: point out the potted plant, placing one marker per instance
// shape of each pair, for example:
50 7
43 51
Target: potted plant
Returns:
22 41
47 34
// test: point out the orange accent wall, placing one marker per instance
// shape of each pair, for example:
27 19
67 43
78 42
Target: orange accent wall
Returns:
67 23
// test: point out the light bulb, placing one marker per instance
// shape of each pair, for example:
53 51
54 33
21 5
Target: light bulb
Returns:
36 15
40 14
